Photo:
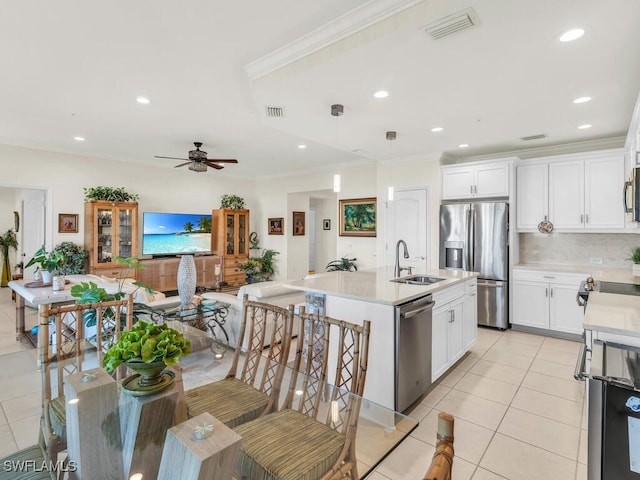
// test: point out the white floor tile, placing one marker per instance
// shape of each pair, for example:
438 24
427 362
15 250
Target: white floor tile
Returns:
482 474
558 356
549 406
552 369
480 411
7 442
569 389
517 460
498 371
507 358
542 432
488 388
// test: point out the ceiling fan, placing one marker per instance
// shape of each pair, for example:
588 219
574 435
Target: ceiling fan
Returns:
198 161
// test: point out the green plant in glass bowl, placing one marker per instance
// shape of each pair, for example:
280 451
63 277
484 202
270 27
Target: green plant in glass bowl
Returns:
147 342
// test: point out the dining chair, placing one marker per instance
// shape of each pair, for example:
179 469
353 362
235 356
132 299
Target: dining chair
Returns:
252 385
313 436
26 464
73 348
442 461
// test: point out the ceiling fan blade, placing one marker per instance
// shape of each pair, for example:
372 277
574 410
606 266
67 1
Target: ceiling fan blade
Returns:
212 164
172 158
223 160
182 164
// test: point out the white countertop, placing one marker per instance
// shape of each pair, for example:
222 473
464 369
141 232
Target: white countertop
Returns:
598 272
374 285
608 312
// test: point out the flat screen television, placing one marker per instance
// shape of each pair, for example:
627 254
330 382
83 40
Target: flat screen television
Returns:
175 233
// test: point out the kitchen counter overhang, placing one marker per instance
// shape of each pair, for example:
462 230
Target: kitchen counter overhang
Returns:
375 285
613 313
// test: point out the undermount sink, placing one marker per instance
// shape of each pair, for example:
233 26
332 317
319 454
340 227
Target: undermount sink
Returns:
418 280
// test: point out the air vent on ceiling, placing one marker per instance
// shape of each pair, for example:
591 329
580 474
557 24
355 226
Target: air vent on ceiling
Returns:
534 137
274 112
451 24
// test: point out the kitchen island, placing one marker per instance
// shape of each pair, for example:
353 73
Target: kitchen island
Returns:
371 295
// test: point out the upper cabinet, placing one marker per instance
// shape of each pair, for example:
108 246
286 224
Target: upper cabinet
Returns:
110 231
577 192
475 180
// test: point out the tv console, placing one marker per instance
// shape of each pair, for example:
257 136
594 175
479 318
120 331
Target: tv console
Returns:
161 273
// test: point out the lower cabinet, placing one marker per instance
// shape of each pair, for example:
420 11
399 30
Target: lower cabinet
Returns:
455 325
161 274
547 300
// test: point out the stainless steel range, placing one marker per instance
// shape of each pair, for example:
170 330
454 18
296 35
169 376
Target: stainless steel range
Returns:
591 285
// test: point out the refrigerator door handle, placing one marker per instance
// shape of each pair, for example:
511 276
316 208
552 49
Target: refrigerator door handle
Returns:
469 240
492 283
472 243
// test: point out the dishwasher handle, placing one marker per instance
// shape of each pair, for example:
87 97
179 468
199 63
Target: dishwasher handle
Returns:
417 311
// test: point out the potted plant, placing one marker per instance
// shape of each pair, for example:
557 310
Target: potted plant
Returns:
635 258
50 262
75 257
267 268
7 241
110 194
147 349
250 267
233 202
344 264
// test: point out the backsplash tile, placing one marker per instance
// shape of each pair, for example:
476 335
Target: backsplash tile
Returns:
578 248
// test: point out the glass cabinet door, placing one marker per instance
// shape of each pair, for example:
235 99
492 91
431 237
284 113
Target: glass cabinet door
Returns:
105 235
125 232
242 234
231 248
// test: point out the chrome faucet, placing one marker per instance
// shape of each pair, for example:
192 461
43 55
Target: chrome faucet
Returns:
397 271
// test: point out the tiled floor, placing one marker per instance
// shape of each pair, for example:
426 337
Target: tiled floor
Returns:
519 414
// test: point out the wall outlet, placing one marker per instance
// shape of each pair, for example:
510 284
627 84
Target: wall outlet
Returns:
596 260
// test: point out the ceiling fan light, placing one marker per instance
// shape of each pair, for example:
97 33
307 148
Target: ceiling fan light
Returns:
197 167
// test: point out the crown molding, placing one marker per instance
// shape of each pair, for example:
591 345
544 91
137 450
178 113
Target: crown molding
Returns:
345 25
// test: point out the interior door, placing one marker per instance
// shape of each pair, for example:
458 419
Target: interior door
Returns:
32 228
407 220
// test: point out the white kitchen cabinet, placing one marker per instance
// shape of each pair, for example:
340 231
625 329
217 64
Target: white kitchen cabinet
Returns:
577 192
532 195
455 325
470 315
476 180
547 300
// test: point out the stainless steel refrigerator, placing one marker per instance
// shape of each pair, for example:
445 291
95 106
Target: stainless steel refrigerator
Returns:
474 237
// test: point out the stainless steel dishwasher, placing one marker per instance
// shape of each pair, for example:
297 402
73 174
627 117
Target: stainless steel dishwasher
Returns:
413 351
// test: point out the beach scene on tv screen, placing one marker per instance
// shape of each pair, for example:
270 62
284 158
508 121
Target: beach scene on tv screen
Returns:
167 233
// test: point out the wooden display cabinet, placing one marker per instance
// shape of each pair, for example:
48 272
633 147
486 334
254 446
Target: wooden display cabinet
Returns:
230 240
110 230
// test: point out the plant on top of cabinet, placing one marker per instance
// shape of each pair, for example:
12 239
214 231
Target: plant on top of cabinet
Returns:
233 202
344 264
111 194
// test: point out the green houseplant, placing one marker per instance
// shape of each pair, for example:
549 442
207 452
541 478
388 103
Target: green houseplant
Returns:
232 201
147 348
75 257
635 258
344 264
111 194
7 241
50 262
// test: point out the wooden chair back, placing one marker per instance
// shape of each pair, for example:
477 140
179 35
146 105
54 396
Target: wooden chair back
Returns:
442 461
68 350
333 400
263 369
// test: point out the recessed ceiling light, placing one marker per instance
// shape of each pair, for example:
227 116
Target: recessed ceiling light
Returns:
585 126
381 94
302 147
582 100
463 145
571 35
79 139
437 129
143 100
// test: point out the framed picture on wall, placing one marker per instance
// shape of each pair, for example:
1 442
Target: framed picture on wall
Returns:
276 226
68 223
298 223
326 224
358 217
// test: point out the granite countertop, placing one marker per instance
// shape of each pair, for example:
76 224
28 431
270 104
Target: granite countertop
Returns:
374 285
598 272
613 313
